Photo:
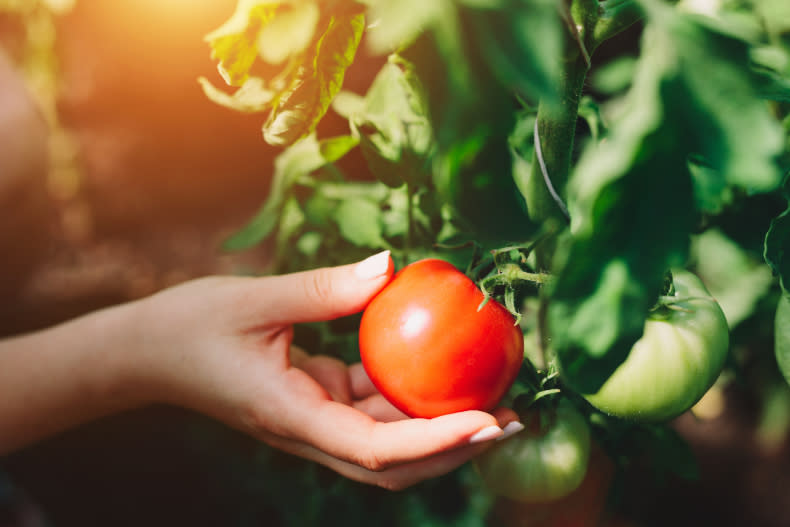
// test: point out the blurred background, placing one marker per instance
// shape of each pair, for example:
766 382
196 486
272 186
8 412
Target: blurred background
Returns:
118 177
137 175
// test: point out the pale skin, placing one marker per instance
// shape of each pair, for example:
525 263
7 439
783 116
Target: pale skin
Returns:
222 346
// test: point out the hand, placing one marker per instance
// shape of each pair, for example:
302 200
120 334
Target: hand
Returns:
222 346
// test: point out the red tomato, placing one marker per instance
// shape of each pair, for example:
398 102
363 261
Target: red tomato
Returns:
430 351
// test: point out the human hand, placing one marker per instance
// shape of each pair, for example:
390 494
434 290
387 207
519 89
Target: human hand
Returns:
222 346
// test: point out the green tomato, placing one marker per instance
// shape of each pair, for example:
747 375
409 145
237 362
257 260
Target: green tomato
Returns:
543 463
677 359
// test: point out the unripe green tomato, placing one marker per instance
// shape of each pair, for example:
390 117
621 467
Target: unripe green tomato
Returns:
677 360
545 462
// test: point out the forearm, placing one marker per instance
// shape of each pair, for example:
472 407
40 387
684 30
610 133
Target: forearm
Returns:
67 375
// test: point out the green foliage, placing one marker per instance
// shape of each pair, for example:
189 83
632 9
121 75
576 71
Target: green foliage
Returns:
309 49
662 157
633 199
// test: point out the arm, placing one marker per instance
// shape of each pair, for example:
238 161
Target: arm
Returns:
60 377
222 346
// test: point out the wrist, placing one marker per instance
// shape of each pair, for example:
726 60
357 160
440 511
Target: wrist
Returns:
67 375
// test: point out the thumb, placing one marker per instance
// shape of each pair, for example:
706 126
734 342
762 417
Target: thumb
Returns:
326 293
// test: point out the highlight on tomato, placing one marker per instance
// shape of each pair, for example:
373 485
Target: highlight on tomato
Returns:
432 346
679 357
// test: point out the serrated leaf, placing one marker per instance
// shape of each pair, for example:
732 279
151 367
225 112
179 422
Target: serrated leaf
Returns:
305 54
235 43
297 110
395 135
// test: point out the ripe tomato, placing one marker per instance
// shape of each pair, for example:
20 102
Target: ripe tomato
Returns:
429 349
678 358
543 463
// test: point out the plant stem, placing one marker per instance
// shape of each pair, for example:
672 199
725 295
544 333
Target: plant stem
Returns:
556 128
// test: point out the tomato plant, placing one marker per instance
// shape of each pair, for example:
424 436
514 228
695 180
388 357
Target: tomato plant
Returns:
677 359
431 349
545 462
567 154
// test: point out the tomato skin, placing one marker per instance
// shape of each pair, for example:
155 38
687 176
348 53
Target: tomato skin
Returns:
583 507
543 463
676 361
430 351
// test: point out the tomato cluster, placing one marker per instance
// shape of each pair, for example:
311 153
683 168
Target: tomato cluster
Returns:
433 344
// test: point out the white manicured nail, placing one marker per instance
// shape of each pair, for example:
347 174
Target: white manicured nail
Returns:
486 434
513 427
373 266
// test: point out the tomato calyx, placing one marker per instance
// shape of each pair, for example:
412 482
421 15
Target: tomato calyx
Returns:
506 275
670 301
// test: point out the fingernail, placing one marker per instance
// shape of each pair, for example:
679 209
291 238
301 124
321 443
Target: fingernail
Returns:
513 427
486 434
373 266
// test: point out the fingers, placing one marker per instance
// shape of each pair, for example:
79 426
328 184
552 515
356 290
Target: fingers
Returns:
329 372
395 477
361 385
348 434
377 407
321 294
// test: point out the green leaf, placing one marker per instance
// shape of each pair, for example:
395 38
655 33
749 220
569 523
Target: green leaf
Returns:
632 197
521 42
615 76
235 43
393 129
736 280
299 160
335 148
476 179
305 48
289 33
473 56
251 97
360 223
777 244
297 110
